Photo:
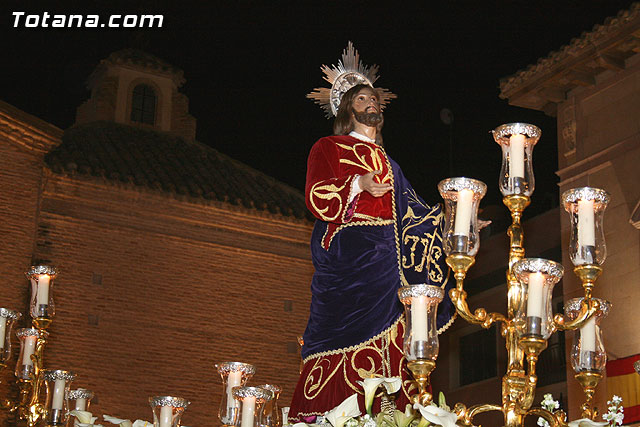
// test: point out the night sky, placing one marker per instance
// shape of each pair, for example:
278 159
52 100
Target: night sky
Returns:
248 66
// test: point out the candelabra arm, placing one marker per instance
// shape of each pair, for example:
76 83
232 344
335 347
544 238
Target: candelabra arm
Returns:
555 419
465 415
588 308
460 264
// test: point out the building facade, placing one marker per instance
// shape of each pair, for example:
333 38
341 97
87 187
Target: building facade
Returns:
173 257
592 86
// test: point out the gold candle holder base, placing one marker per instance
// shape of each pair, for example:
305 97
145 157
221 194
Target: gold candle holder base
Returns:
516 204
532 346
421 370
588 274
589 381
460 264
42 323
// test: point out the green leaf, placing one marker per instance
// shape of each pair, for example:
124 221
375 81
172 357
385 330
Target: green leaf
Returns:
442 402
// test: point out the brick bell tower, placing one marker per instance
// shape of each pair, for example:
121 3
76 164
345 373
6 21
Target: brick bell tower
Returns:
136 88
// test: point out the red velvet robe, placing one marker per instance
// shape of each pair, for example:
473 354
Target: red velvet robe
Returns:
333 164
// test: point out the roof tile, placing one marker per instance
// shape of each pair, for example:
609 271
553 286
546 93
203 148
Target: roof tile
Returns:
159 161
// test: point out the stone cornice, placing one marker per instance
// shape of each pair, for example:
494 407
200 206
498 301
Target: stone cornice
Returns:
606 47
26 131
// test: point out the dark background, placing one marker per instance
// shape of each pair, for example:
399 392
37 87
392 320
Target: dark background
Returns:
249 65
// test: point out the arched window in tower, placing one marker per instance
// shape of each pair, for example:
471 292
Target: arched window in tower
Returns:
143 105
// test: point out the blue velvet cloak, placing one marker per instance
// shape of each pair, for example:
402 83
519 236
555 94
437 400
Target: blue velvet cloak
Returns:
354 288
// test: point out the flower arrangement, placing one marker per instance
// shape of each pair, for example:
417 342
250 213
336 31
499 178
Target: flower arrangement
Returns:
348 413
613 417
86 419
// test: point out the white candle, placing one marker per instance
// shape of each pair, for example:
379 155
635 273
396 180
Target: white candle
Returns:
234 380
81 404
42 297
29 347
588 335
586 224
419 318
516 155
248 411
463 213
535 297
3 330
58 394
166 416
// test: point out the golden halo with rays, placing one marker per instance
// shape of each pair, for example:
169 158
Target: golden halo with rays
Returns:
349 72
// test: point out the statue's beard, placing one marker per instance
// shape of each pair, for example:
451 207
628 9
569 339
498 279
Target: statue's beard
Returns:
367 119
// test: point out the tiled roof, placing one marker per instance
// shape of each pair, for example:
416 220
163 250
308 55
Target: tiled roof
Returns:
140 60
606 46
170 164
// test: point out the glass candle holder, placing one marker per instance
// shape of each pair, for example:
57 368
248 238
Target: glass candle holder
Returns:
167 410
538 277
28 339
252 400
587 351
58 383
270 412
234 374
41 278
420 308
586 207
462 197
7 319
81 397
517 141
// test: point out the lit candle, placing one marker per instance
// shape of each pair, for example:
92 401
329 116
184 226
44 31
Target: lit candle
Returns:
516 154
586 224
58 394
588 335
166 416
29 347
234 380
535 297
3 330
42 297
248 411
463 213
81 404
419 318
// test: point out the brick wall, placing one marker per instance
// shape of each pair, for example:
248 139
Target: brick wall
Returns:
154 290
174 288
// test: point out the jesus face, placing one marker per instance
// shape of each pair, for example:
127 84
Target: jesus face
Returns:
366 107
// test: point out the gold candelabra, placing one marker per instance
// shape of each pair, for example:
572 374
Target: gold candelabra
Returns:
32 406
528 321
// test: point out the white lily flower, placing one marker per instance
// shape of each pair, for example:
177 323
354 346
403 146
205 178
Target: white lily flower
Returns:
436 415
403 419
119 421
300 425
586 422
83 417
344 411
370 385
142 423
